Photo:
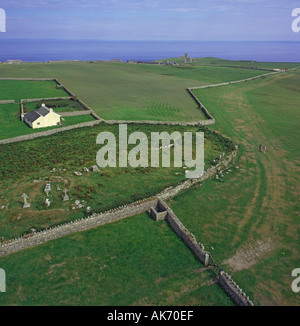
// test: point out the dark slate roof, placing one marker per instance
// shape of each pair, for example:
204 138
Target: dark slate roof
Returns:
31 116
34 115
43 110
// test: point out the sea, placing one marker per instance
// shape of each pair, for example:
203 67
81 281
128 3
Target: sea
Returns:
34 50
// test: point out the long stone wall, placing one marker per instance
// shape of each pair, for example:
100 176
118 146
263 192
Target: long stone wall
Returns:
28 79
7 102
224 280
45 99
233 290
75 113
238 81
202 107
169 123
92 221
187 237
49 132
64 87
212 171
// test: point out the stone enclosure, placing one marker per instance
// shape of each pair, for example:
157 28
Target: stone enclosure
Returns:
155 206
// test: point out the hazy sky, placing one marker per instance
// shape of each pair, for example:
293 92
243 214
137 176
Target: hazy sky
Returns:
230 20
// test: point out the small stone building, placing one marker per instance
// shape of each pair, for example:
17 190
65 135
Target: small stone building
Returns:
42 117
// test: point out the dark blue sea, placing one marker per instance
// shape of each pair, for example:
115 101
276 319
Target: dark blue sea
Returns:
49 50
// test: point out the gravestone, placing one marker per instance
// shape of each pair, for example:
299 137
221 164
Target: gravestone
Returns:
95 168
26 204
65 196
47 188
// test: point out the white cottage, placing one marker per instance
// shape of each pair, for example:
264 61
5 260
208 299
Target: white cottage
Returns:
42 117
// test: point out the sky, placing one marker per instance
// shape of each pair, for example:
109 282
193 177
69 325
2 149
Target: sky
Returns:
197 20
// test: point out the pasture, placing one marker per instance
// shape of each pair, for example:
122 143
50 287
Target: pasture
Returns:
252 218
10 122
132 262
121 91
249 222
24 89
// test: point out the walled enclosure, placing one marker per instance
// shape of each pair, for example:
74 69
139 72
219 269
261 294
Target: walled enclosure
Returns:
155 205
158 210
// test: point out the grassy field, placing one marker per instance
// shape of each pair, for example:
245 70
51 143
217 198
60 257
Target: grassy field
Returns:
71 151
20 89
10 123
136 261
251 220
132 92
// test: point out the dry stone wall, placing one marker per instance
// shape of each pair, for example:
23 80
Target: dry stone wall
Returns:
75 113
49 132
45 99
224 280
202 107
83 224
233 290
209 173
7 102
169 123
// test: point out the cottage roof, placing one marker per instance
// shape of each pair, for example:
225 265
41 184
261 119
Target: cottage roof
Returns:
34 115
43 110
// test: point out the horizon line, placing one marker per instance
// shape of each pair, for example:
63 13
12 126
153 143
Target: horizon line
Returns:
101 40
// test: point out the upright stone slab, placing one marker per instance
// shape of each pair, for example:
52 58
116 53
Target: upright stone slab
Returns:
26 204
65 196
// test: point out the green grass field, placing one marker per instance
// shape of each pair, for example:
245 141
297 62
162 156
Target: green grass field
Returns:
252 218
243 63
249 222
132 92
136 261
20 89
